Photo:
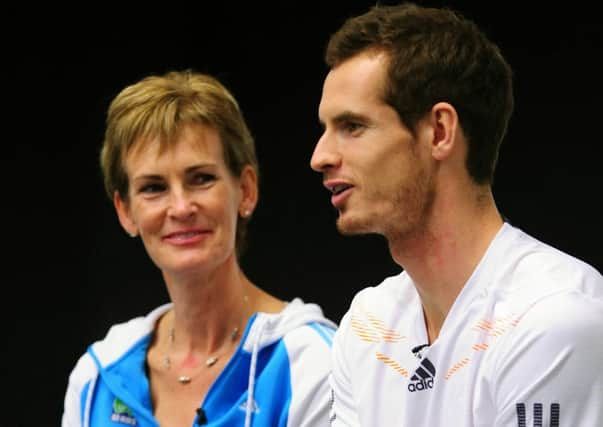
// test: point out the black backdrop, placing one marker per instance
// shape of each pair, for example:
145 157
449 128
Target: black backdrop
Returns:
75 271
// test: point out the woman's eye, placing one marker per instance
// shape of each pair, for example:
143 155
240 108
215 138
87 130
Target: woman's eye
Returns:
203 178
151 188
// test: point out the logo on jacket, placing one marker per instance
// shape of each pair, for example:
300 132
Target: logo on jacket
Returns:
122 414
255 409
423 377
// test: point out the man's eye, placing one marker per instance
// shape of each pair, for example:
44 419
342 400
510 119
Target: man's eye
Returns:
352 127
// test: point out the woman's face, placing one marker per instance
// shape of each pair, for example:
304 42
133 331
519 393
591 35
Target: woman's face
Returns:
183 202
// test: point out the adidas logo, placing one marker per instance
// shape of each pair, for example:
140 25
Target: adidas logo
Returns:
423 377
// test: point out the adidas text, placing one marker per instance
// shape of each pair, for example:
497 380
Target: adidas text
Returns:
420 385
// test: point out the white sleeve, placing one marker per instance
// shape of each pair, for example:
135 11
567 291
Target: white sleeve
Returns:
550 372
72 409
83 373
309 353
343 407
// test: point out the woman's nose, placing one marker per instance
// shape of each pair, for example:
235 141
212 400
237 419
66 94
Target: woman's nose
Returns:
182 205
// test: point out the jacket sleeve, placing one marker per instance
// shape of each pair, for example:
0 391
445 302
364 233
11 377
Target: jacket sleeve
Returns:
343 408
71 409
74 401
310 368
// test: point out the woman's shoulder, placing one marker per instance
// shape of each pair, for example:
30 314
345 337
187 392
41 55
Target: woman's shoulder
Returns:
299 325
121 337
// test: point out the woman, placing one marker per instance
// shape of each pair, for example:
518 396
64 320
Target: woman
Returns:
179 164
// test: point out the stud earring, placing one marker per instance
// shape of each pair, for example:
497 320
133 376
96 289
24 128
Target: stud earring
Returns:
246 213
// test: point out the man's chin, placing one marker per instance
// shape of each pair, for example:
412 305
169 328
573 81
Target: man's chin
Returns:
349 226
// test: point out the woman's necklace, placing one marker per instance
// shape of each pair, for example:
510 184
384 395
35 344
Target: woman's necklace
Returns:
210 361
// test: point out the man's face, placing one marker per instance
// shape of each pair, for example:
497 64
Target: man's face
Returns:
379 174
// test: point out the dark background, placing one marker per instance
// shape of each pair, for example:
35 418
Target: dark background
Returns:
75 272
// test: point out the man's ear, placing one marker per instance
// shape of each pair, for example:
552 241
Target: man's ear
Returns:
445 122
122 207
249 191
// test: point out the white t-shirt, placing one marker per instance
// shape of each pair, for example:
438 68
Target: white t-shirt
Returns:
522 346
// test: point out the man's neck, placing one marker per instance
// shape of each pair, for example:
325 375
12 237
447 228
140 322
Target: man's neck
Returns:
443 255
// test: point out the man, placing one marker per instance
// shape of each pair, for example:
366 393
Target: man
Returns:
486 326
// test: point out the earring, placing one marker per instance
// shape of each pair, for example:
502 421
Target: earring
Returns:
246 213
132 235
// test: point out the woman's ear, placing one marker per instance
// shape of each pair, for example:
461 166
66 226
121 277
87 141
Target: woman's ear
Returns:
122 207
445 122
249 191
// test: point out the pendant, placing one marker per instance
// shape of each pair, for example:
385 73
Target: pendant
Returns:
211 361
183 379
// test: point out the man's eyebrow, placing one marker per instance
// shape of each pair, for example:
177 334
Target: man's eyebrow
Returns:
345 116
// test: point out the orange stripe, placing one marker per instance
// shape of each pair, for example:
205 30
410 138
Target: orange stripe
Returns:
391 363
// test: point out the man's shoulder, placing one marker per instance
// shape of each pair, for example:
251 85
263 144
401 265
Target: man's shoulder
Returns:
393 302
548 319
532 265
547 291
392 291
566 315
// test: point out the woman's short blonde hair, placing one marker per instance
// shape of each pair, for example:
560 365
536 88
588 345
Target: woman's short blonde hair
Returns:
157 107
